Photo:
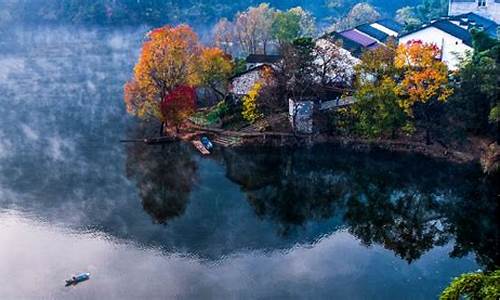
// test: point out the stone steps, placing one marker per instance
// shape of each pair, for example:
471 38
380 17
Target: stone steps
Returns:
227 141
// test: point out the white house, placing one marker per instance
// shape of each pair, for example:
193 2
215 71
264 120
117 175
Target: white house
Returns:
453 40
487 8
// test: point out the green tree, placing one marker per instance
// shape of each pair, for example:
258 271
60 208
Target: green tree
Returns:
359 14
432 9
477 86
377 107
480 286
407 16
307 21
286 26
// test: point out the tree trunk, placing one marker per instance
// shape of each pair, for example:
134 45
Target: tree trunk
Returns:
221 94
427 136
162 127
498 133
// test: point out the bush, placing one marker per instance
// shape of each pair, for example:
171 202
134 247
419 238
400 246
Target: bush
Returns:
474 286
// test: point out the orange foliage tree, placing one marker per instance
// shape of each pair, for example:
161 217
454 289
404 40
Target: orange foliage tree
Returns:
424 84
173 62
168 59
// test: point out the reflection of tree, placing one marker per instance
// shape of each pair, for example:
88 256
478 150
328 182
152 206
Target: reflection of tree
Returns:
408 224
279 186
406 205
474 222
164 176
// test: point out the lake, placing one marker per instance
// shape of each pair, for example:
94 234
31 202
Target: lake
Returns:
162 222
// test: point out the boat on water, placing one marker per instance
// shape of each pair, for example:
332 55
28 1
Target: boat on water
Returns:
206 143
76 279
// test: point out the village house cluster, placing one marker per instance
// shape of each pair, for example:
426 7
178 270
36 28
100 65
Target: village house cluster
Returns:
451 34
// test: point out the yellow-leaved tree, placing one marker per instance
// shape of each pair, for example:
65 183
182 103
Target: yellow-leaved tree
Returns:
424 85
250 110
215 67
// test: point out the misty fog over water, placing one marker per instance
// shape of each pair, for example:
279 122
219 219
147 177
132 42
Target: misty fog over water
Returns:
163 222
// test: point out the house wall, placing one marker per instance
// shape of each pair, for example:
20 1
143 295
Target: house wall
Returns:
241 85
490 11
450 45
300 114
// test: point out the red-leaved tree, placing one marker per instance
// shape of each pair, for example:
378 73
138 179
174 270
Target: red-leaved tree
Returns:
179 104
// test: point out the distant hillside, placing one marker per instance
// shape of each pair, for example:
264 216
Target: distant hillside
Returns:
156 12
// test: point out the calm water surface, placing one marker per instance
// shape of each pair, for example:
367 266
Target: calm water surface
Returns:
163 222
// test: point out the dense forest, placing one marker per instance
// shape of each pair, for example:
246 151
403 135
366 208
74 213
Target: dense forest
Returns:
159 12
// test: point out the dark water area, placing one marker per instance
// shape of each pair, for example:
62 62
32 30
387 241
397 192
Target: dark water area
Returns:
161 222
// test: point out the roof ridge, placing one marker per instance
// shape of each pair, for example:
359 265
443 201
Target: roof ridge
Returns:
456 30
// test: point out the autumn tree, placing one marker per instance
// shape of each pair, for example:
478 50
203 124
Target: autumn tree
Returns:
253 28
168 59
250 110
179 104
224 35
424 85
377 107
215 67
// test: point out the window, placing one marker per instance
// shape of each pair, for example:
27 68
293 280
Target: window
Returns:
481 3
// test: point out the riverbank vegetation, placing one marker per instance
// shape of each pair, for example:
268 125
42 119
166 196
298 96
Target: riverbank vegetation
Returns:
396 92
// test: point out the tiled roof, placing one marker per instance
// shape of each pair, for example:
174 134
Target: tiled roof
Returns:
450 28
391 24
488 25
373 32
454 30
260 58
358 37
354 48
259 67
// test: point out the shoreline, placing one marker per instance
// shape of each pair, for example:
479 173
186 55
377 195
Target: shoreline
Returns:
472 150
367 145
273 139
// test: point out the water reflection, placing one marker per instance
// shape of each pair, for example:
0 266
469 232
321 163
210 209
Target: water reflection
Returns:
164 176
257 223
407 204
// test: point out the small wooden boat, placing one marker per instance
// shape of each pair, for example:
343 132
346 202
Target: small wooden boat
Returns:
199 146
74 280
